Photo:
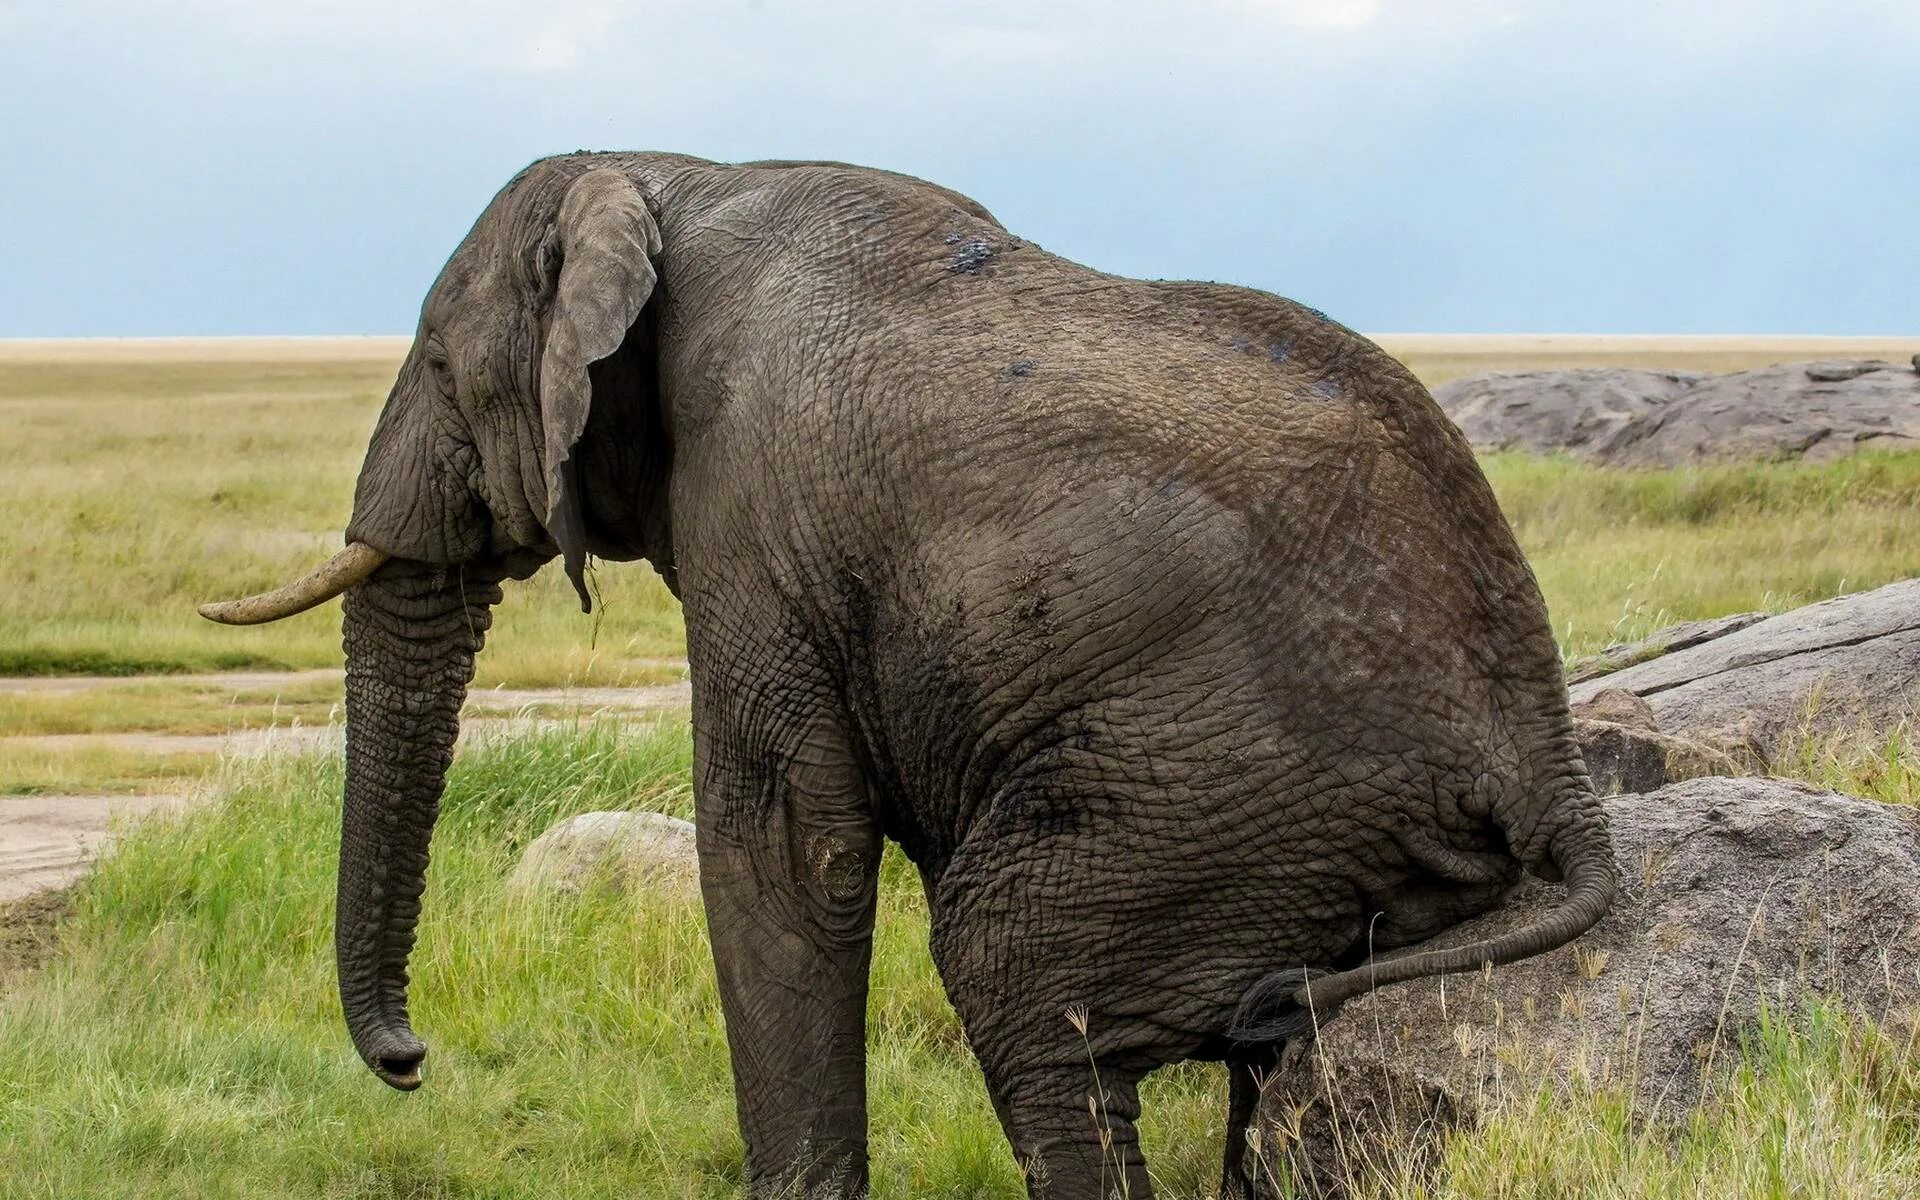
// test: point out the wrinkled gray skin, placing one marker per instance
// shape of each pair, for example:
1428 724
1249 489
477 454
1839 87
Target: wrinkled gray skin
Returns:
1168 627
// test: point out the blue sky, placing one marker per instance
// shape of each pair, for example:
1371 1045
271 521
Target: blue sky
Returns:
290 166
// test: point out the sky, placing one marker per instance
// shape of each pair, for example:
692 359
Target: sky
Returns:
202 167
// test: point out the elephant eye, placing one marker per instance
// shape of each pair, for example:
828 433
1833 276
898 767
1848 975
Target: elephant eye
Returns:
442 370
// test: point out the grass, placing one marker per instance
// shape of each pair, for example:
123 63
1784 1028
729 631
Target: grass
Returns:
134 490
1879 764
1439 358
174 706
577 1043
1621 553
1821 1105
138 488
33 767
211 704
577 1046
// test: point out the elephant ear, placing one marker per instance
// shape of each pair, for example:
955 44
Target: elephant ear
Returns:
606 243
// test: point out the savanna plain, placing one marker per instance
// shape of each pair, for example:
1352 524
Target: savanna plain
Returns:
168 1025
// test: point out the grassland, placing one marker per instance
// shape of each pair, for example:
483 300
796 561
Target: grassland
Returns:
577 1048
180 1036
142 480
1437 358
136 488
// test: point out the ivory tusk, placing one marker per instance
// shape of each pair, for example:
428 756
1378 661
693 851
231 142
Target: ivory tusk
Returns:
332 577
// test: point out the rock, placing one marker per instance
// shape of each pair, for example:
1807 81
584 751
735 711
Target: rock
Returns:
1731 890
1844 369
1625 751
1630 758
1673 637
1816 411
1841 664
624 850
1618 706
1581 412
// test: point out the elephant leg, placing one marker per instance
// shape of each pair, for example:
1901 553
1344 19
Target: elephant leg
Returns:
1247 1070
1073 1129
789 860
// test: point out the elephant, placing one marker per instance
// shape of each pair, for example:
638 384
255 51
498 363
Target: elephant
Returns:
1168 628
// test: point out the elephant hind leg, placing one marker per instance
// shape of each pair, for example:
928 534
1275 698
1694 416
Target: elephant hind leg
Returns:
1247 1071
1073 1131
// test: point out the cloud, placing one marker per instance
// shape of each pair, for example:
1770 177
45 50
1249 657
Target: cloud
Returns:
561 43
1362 14
1330 14
435 34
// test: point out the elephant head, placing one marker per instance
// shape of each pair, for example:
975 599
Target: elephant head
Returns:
472 476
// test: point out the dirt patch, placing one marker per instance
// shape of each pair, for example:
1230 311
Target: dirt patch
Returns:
69 685
28 927
46 841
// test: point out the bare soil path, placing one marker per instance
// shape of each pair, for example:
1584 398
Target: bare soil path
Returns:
46 841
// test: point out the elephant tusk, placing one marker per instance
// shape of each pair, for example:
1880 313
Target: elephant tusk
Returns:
332 577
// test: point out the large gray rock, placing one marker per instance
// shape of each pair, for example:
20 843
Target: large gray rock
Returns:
1816 411
625 850
1583 412
1842 664
1664 641
1732 890
1634 758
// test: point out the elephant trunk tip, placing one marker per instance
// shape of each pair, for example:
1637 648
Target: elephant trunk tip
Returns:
397 1059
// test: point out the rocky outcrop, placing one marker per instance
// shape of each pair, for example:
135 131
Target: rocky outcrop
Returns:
624 850
1843 664
1732 890
1664 641
1813 411
1634 758
1581 412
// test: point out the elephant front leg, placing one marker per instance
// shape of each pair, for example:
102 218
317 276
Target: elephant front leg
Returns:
789 874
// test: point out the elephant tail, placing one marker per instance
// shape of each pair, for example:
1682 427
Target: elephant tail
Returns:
1290 1002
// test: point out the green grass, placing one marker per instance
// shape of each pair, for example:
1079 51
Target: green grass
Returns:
577 1047
182 706
1879 764
1622 553
38 768
1821 1105
181 1037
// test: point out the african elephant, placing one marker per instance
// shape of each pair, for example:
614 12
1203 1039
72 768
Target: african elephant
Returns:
1169 628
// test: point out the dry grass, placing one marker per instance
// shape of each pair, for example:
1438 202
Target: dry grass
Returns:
137 488
175 706
1437 358
32 767
148 476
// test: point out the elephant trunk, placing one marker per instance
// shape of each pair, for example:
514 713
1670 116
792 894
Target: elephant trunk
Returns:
410 633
